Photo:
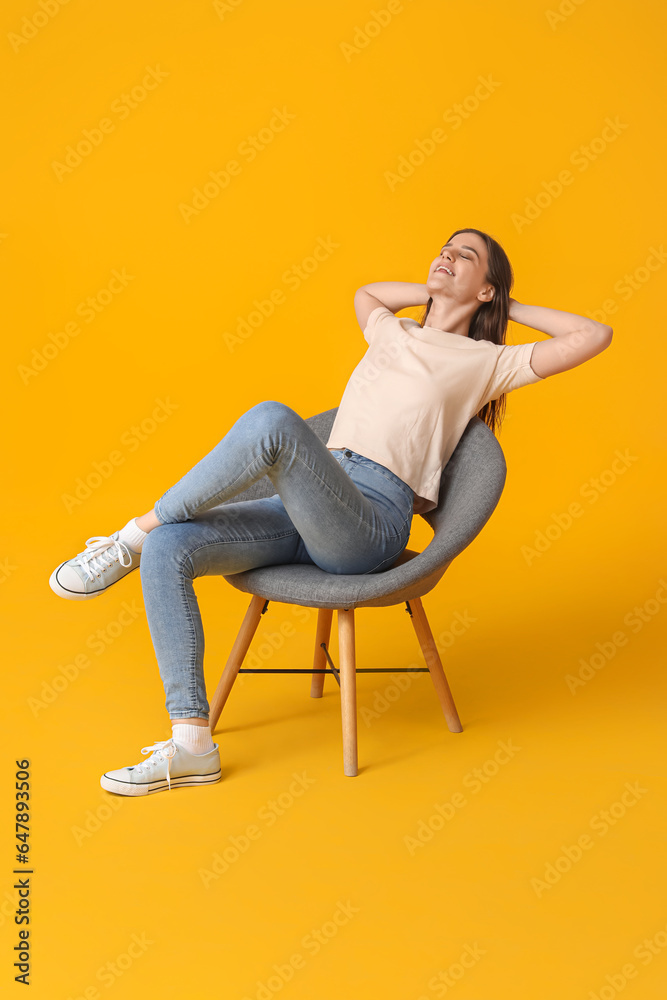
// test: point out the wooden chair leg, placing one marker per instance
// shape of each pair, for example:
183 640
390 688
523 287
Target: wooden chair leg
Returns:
235 659
434 664
348 689
324 617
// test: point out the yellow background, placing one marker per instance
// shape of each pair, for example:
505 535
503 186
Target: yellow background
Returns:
163 337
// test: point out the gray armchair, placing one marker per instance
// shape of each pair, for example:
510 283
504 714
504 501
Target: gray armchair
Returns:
470 488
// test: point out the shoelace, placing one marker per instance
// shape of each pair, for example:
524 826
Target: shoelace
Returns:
161 750
100 553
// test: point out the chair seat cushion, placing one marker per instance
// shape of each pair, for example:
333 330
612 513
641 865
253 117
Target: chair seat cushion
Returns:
309 586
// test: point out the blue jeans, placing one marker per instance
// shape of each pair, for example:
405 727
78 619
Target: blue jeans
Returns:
336 509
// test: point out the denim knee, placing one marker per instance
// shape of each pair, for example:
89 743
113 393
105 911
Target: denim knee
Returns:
273 412
163 549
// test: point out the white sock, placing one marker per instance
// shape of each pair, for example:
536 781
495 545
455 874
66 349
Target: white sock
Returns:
196 739
132 535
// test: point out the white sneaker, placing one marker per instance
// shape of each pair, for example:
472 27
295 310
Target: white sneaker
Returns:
170 765
104 561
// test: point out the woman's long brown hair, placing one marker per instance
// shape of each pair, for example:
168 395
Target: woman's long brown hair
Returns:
490 320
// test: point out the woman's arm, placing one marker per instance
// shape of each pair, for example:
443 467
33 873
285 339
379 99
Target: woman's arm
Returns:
395 295
576 338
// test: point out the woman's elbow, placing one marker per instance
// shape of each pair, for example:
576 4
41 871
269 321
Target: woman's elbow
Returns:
602 336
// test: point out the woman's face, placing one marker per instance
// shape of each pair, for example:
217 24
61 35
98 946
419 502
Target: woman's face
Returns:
466 256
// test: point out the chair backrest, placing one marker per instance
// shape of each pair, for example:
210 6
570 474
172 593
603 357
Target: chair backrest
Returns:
471 485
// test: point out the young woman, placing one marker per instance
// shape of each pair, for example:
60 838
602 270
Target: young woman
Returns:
345 505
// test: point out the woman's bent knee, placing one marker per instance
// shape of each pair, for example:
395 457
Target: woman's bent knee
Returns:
273 412
165 546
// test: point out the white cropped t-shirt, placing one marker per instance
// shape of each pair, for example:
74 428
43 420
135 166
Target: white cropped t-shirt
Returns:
413 393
